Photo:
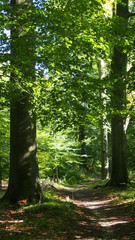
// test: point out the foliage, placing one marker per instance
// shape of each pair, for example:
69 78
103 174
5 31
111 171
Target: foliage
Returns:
56 150
4 142
62 151
68 38
59 153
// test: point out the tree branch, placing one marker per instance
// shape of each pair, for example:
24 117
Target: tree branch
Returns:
131 14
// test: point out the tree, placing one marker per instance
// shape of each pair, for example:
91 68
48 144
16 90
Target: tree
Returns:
70 37
82 151
119 173
104 127
23 179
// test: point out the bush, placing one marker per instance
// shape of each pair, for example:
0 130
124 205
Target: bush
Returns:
73 177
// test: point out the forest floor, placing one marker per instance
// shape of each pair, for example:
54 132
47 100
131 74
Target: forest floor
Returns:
73 213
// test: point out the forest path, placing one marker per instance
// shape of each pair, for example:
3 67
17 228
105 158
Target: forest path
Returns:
101 219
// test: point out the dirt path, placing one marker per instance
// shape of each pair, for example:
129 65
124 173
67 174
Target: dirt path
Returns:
97 218
101 218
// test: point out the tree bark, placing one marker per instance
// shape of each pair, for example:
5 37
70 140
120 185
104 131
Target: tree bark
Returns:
24 178
119 174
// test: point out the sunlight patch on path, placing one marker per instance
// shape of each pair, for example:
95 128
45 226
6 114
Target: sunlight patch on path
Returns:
111 223
95 204
105 222
11 221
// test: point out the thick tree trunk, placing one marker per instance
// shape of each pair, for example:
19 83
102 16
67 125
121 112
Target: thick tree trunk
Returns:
119 173
23 179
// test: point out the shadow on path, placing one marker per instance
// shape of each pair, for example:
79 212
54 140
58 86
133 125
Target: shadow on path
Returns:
101 219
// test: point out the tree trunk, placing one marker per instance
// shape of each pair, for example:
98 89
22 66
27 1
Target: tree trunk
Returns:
104 128
24 178
104 152
82 152
119 173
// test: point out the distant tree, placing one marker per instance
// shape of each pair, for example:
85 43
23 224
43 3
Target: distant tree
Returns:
104 127
82 151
